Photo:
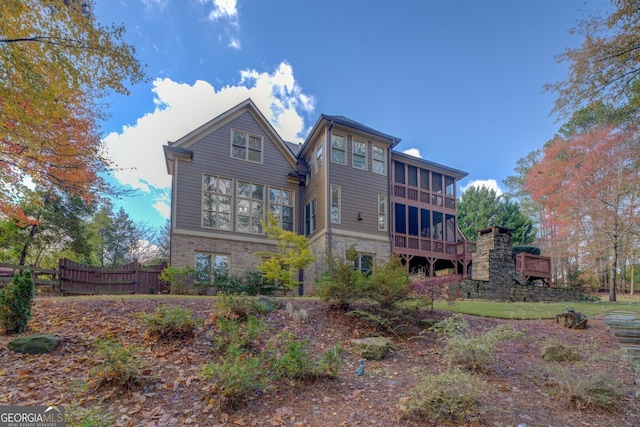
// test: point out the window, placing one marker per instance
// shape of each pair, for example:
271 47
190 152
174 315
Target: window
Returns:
245 146
250 208
436 182
425 223
399 173
338 149
438 233
413 221
216 202
335 204
211 265
382 212
319 156
412 176
310 168
450 221
310 217
378 163
424 179
449 184
401 218
363 263
359 157
281 207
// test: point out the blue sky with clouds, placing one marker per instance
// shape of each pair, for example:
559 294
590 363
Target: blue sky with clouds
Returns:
460 82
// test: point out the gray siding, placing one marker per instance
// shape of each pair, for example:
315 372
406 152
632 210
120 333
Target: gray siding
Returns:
212 156
360 189
316 188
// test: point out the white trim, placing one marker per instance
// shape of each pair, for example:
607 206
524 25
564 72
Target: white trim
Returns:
230 236
339 220
353 155
249 135
365 236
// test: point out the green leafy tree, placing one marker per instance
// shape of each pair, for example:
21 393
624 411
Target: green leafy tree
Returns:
291 255
57 63
114 236
479 208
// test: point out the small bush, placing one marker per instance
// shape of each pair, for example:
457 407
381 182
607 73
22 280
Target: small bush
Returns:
290 358
298 315
118 364
341 284
237 307
15 304
434 288
586 389
168 323
252 282
235 337
447 397
452 325
388 284
181 280
235 380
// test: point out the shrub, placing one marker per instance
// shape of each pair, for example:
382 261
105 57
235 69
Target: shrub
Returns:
180 280
168 323
235 380
15 303
236 306
235 337
472 351
587 389
388 284
252 282
118 363
533 250
447 397
341 284
290 358
298 315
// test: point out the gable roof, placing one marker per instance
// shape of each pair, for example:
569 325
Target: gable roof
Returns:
347 122
245 106
458 174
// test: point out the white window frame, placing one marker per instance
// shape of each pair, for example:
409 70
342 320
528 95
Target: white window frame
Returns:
217 195
383 213
253 220
247 148
337 204
282 205
354 155
375 161
343 150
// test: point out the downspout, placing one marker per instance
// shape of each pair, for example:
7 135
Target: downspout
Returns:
391 211
327 189
302 174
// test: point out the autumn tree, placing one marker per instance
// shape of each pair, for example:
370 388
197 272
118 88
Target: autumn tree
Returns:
479 208
589 185
57 62
606 67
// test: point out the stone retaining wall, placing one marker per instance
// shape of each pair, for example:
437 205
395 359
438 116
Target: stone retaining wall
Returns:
477 289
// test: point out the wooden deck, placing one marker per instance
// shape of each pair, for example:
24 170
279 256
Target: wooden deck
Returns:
534 267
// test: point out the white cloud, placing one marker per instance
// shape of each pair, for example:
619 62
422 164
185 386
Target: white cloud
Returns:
223 9
491 184
413 152
235 43
181 108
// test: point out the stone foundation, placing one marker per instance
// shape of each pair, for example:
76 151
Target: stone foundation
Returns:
477 289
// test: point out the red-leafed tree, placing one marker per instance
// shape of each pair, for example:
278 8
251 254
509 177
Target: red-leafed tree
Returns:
588 184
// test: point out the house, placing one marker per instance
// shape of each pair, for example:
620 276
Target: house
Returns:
344 186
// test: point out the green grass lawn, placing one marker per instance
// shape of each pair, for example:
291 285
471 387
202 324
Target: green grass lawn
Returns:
533 310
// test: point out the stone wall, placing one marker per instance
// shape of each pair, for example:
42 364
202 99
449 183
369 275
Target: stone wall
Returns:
477 289
493 259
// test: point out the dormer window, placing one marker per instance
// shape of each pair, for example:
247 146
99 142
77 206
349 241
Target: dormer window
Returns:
245 146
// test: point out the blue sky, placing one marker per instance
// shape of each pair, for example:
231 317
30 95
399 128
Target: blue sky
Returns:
460 82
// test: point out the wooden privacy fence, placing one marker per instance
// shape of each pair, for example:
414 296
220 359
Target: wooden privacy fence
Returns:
81 279
132 278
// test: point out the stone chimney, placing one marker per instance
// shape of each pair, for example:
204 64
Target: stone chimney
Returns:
493 260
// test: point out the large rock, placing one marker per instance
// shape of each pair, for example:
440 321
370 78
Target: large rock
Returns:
35 344
572 319
270 304
373 348
560 353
